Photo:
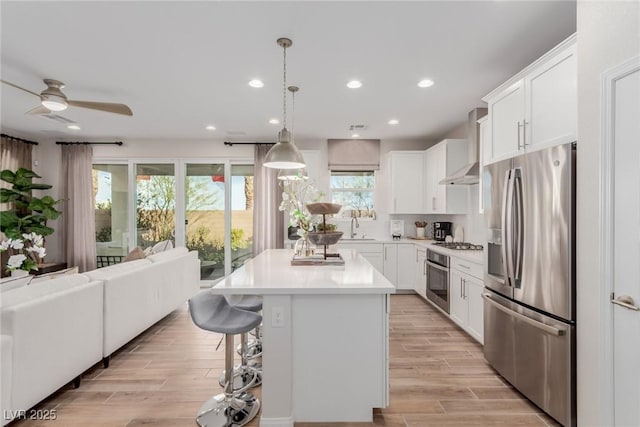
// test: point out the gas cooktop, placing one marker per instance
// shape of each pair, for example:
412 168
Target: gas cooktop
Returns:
459 246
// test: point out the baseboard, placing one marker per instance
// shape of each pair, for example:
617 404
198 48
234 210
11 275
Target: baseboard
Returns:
276 422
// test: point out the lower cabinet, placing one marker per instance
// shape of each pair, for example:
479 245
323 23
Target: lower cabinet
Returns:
465 293
420 271
394 260
405 265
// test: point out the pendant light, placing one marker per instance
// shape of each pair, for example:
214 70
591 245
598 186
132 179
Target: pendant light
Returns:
284 154
296 174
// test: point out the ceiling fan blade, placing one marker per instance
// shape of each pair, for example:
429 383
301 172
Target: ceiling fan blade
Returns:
40 109
21 88
103 106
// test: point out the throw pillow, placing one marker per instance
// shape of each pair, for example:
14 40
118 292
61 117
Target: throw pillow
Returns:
148 251
135 254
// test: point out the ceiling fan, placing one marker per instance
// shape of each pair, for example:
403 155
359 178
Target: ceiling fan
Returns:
53 99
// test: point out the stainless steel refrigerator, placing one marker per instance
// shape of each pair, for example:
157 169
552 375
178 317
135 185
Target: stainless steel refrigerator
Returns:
530 280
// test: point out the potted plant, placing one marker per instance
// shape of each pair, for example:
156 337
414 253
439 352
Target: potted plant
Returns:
420 226
25 224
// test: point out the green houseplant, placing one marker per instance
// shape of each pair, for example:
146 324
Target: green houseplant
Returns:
25 224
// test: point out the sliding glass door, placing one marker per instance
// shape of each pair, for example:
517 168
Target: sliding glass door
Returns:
155 190
111 207
205 216
241 214
205 206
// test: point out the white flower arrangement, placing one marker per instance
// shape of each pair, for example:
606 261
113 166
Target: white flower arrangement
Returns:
296 193
24 254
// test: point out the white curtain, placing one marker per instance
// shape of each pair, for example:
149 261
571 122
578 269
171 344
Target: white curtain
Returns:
13 156
268 220
78 207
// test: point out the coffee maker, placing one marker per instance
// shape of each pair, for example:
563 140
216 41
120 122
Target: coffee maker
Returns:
441 230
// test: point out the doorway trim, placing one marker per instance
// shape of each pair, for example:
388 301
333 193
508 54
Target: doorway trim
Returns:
607 165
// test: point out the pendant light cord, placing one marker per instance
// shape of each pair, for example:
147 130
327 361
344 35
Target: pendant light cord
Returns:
284 88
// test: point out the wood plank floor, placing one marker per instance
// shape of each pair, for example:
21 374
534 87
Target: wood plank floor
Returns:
438 378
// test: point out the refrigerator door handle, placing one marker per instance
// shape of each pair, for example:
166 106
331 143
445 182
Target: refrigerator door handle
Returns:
546 328
519 228
505 235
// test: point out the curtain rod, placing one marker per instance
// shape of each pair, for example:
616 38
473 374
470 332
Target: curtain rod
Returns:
89 143
4 135
231 144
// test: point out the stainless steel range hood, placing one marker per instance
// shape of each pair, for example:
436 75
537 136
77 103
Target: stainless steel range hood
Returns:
470 173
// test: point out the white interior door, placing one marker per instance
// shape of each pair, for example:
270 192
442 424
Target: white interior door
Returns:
625 127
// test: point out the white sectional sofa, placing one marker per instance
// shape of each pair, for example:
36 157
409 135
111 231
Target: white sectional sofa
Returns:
54 330
139 293
51 334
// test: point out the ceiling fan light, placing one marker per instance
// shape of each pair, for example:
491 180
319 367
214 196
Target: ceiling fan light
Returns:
54 103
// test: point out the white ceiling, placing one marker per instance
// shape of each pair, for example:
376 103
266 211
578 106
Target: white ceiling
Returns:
183 65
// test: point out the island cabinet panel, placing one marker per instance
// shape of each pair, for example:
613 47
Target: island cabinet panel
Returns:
325 337
327 395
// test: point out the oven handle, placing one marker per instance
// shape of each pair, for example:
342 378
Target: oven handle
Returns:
439 267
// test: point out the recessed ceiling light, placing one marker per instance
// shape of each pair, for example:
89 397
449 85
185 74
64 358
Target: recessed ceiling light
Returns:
355 135
425 83
274 121
210 127
354 84
393 122
256 83
74 127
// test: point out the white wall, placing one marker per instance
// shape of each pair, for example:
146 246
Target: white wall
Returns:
608 34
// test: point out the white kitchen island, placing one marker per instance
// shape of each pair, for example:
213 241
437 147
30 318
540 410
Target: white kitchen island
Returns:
325 337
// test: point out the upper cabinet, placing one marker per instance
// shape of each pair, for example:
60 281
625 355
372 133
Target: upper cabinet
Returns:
537 108
407 182
440 161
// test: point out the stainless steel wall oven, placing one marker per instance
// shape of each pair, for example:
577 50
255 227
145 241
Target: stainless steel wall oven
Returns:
438 279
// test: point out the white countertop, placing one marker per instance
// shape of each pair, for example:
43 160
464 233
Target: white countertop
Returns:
271 273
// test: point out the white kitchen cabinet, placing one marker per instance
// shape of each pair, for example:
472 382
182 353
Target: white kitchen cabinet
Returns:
475 321
407 180
420 284
372 252
484 152
552 102
506 112
440 161
390 268
465 295
405 266
458 306
537 108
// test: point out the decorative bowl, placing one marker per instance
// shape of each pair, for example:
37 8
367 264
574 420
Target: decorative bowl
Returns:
323 208
322 238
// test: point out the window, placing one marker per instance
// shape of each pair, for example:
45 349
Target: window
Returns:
111 204
354 191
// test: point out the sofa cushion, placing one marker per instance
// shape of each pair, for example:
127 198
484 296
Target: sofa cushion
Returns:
41 289
9 283
117 269
168 254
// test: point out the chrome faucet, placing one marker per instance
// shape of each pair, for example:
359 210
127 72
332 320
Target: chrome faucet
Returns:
357 226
